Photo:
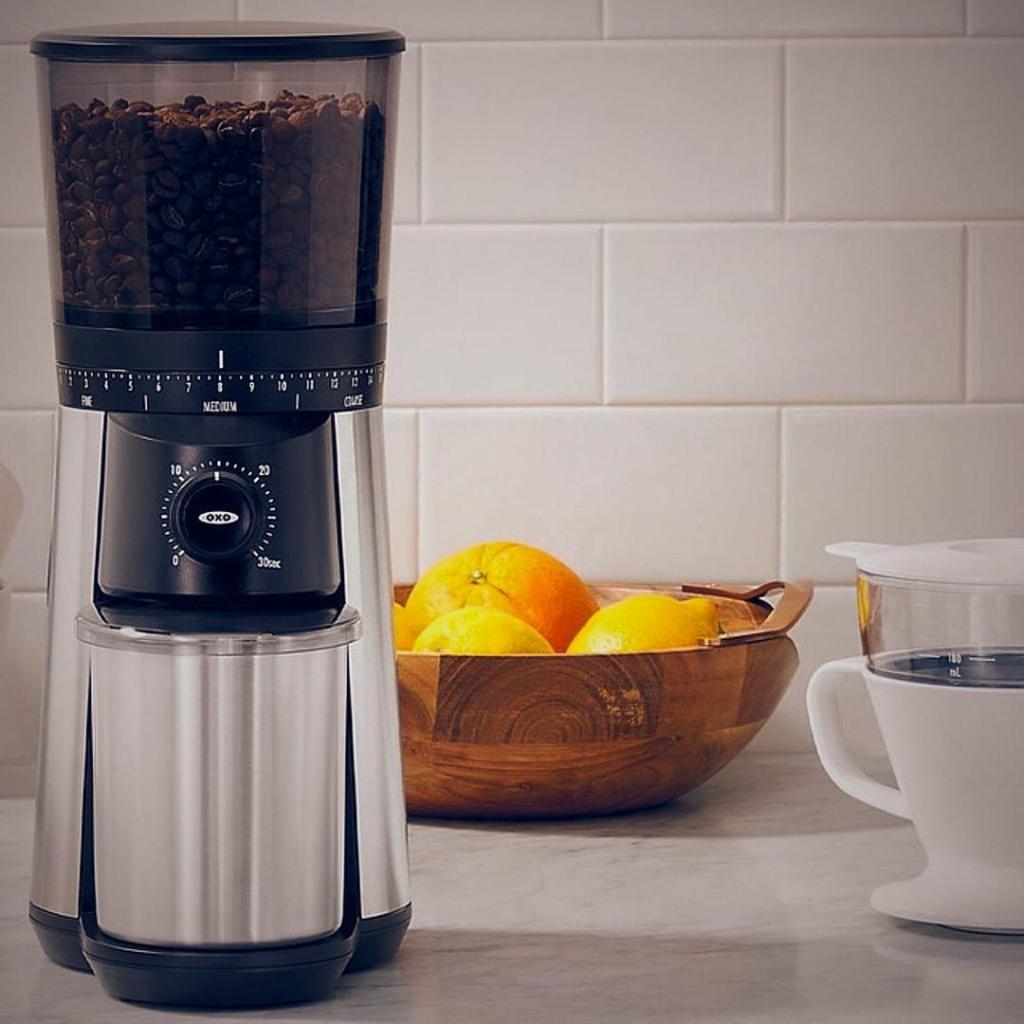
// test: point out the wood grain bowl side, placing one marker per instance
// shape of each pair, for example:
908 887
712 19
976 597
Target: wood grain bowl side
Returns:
568 735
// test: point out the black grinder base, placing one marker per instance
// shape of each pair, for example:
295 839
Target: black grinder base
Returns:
232 978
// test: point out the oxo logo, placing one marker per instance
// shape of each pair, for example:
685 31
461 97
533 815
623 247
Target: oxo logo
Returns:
218 518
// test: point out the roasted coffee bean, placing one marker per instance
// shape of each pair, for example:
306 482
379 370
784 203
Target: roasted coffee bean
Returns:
172 217
204 182
281 130
176 240
175 268
131 124
228 205
238 296
111 285
124 264
166 184
230 182
111 216
187 206
201 248
190 137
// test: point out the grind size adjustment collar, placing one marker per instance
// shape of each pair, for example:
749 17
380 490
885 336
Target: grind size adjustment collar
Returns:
340 390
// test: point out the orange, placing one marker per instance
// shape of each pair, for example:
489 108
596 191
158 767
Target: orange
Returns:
647 622
405 634
515 578
478 630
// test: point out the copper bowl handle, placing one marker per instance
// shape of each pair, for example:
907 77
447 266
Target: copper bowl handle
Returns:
796 596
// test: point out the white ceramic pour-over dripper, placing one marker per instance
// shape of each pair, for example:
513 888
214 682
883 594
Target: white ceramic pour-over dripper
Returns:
11 504
942 627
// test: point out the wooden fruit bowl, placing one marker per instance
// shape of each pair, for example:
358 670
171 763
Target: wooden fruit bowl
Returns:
559 735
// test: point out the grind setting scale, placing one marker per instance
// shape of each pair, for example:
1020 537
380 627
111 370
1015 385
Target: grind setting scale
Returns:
220 817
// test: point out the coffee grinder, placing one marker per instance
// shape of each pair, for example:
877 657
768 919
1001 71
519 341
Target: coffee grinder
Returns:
220 818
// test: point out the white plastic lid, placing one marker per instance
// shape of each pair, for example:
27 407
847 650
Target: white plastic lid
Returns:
997 562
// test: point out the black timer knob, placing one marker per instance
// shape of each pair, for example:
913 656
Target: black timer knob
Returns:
216 516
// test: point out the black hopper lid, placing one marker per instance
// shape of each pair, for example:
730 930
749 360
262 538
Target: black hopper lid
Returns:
217 41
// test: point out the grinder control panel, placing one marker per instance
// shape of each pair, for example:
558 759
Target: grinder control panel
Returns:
219 512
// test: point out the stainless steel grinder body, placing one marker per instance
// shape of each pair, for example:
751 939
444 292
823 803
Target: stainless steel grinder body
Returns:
220 817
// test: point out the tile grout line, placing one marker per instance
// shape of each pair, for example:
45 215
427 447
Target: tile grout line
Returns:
670 224
717 41
421 60
781 134
418 448
681 405
602 310
965 310
680 40
602 19
780 478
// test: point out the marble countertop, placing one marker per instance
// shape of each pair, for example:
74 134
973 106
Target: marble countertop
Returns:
747 901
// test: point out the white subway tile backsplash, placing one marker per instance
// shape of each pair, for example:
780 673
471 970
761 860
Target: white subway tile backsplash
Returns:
784 314
485 315
531 121
827 631
768 18
21 175
659 495
995 336
26 449
402 466
27 377
897 475
995 17
600 132
905 130
448 19
22 19
22 661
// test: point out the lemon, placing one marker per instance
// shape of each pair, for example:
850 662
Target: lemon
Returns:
647 622
479 630
405 631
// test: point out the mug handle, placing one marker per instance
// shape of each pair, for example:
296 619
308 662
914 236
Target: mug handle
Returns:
823 710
